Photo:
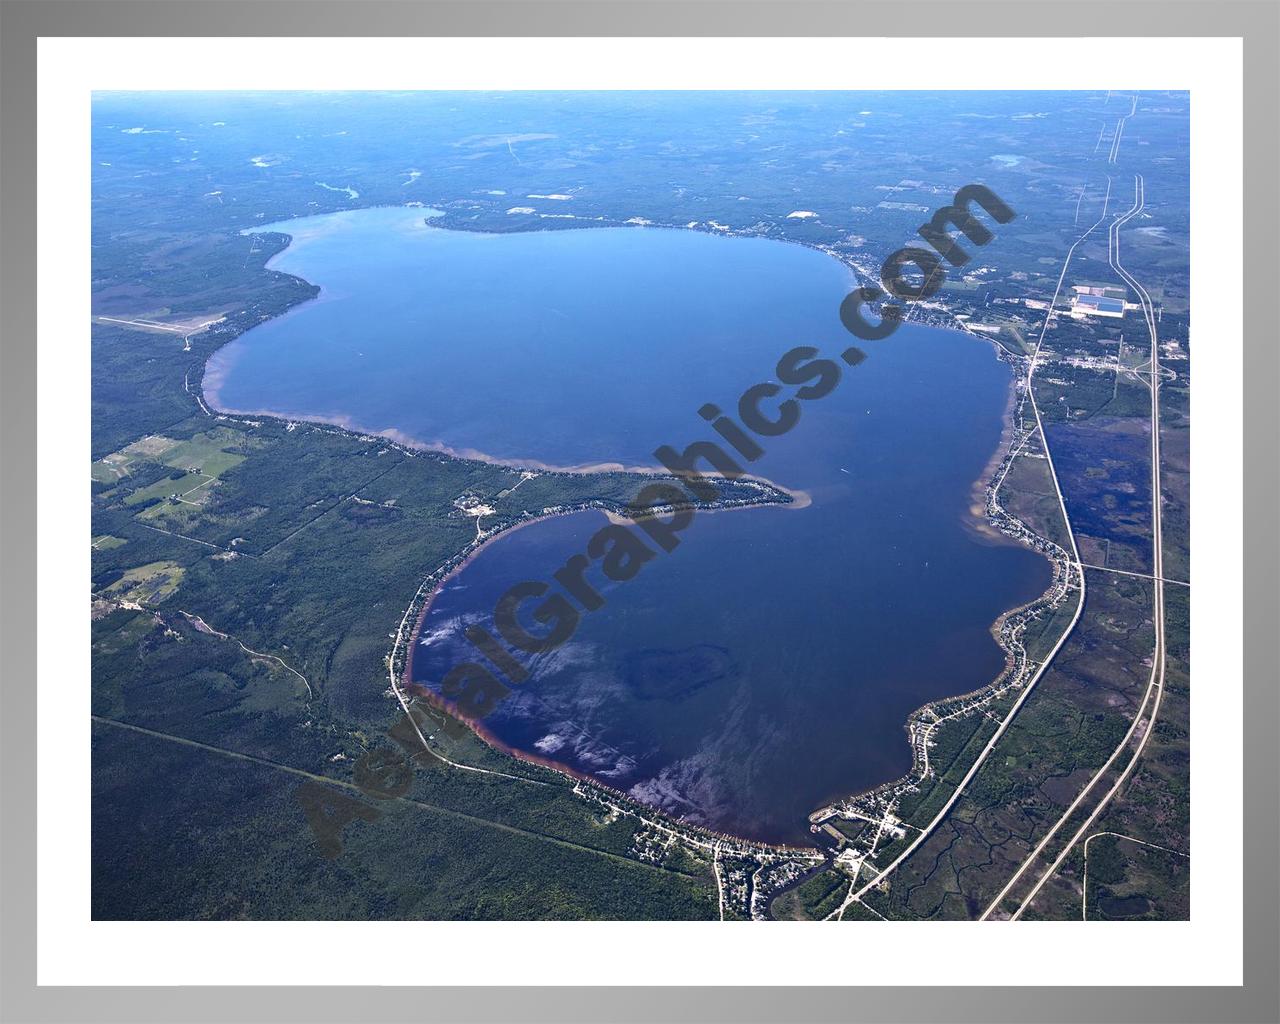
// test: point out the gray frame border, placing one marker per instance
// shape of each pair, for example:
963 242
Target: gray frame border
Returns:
23 21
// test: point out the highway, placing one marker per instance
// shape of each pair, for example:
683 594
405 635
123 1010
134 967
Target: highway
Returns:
1115 142
1149 708
1155 685
855 893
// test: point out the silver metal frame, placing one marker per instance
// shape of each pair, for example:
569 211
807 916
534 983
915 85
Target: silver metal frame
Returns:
23 21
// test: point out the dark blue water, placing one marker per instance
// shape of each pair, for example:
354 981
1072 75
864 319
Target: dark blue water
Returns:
768 664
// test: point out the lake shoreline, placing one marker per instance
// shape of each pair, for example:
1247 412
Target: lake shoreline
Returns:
799 498
994 525
976 520
489 738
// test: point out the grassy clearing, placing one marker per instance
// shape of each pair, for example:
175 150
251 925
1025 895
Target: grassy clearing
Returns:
160 467
152 582
210 453
171 515
168 487
212 464
148 447
110 470
120 465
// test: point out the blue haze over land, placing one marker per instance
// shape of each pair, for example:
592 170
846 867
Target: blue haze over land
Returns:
769 663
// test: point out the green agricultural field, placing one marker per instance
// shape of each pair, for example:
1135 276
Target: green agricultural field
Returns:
152 582
211 453
166 487
109 470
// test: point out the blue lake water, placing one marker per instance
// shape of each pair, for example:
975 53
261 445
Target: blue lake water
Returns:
768 664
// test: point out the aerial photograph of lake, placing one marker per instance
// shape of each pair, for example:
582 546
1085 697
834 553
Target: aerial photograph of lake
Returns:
769 663
641 504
